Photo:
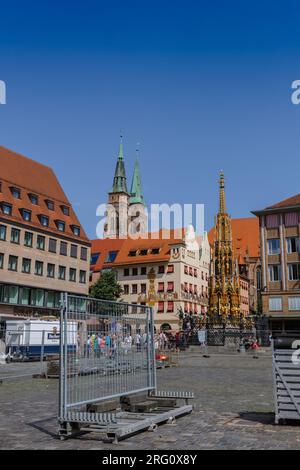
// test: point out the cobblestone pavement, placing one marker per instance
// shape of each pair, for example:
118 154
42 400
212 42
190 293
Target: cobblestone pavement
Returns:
233 410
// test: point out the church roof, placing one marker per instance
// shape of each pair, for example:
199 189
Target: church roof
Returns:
136 194
119 183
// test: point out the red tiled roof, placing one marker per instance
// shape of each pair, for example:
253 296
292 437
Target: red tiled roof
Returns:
32 177
245 235
289 202
103 247
162 240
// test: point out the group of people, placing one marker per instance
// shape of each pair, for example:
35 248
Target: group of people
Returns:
97 344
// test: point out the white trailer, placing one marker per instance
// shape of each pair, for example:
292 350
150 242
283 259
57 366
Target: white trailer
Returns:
27 339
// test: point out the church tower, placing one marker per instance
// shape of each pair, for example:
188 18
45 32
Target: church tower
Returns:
137 215
224 289
118 199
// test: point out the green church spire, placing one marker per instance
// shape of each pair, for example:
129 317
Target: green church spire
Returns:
136 194
119 184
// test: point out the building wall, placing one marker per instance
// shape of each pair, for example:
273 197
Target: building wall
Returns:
32 280
284 288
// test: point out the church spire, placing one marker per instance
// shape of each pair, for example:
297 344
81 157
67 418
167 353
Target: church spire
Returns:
120 184
136 193
222 208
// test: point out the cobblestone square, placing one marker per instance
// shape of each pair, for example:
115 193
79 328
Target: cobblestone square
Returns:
234 409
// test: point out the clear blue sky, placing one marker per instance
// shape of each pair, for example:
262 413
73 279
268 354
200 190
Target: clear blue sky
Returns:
202 85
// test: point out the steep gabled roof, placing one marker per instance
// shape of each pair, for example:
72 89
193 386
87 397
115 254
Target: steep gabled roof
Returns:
289 202
32 177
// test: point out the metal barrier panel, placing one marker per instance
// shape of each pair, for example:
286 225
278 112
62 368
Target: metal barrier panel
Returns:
106 350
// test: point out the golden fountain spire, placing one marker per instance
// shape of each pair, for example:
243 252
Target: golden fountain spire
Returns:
222 209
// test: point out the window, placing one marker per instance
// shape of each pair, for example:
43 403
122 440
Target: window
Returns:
75 230
1 260
161 287
82 277
274 246
33 199
6 208
126 272
190 271
195 272
44 220
134 289
40 242
50 270
272 221
26 215
74 251
62 273
72 275
134 271
126 289
11 294
143 288
186 287
186 270
275 304
2 232
143 271
37 297
170 268
65 210
39 265
291 219
293 244
60 225
25 296
143 252
155 251
83 253
161 307
191 290
132 253
294 271
274 272
49 204
294 303
15 235
52 245
170 307
170 287
16 193
63 248
12 263
111 256
28 239
94 258
26 265
161 269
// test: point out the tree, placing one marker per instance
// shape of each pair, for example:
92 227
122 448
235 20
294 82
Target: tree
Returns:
106 287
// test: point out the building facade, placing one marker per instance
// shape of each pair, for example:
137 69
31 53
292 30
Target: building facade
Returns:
280 263
43 248
161 272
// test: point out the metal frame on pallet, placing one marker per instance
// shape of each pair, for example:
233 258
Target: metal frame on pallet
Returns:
107 352
286 375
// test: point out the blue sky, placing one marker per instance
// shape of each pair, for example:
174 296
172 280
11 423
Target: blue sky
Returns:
202 85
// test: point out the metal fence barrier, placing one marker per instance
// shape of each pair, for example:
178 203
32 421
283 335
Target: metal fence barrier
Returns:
107 350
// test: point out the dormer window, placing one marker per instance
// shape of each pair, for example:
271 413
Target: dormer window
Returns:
26 214
75 230
16 192
132 253
143 252
60 225
65 210
155 251
44 220
6 208
49 204
33 199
